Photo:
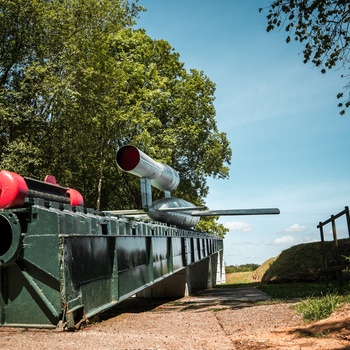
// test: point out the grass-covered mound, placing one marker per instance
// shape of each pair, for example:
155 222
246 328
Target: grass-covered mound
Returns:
261 270
303 262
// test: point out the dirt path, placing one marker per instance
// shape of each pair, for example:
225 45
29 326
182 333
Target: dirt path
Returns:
216 319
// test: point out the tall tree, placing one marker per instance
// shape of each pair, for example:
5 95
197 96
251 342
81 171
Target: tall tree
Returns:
77 82
173 117
323 26
38 41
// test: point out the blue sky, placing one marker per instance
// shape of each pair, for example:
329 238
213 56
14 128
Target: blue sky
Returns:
290 145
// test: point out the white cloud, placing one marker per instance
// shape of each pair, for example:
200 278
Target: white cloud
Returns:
238 226
284 240
296 228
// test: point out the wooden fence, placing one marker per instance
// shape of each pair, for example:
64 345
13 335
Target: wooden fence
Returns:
339 266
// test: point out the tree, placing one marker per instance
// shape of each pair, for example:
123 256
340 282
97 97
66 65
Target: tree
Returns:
39 41
51 60
168 113
323 27
210 225
77 82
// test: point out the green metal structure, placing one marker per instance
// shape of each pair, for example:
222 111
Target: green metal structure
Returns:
61 264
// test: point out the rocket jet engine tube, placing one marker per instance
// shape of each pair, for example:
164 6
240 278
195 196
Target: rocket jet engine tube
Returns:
130 159
10 238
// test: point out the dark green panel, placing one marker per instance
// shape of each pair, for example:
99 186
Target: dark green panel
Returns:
190 250
89 258
96 294
132 251
89 264
133 256
161 268
41 242
43 251
27 300
197 249
133 280
178 252
161 256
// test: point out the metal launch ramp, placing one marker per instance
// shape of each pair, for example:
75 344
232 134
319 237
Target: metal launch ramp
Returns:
61 264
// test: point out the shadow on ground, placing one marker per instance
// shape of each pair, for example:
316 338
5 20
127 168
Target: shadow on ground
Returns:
202 301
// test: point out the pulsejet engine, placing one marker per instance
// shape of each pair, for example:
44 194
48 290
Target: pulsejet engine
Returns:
169 210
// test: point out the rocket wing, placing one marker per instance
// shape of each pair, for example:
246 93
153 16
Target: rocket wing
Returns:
236 212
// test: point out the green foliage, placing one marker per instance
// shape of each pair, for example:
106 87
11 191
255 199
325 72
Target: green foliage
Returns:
322 26
77 82
209 225
241 268
51 85
318 308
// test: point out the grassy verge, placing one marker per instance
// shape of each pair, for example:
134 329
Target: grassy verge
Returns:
317 308
315 300
292 291
296 291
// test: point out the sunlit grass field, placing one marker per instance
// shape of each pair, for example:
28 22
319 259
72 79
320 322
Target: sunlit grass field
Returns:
239 278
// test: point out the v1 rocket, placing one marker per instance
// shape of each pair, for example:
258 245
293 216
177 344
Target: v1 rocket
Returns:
173 211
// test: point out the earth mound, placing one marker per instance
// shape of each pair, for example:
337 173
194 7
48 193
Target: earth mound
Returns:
303 262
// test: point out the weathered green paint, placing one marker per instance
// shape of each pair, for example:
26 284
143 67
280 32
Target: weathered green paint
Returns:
60 264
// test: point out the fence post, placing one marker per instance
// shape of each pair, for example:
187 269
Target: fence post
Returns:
320 225
336 250
347 218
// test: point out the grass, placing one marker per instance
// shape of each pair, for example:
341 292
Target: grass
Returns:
318 308
316 300
239 278
280 278
279 291
295 291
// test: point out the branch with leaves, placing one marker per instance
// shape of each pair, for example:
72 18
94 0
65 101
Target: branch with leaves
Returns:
323 26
